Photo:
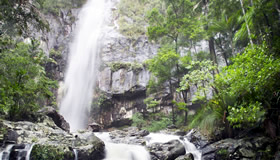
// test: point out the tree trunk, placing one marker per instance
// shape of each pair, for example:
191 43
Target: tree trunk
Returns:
246 22
213 53
211 39
172 105
185 97
277 7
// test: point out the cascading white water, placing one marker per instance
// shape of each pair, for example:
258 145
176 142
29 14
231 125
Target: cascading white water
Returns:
23 153
122 151
76 154
126 151
28 149
163 138
80 74
5 153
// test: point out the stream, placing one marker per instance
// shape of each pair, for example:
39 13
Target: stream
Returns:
123 151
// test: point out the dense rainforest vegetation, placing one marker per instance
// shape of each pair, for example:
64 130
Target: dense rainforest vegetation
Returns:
244 86
25 87
236 82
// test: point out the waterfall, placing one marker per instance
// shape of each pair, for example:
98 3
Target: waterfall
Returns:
21 152
5 153
76 154
28 149
80 74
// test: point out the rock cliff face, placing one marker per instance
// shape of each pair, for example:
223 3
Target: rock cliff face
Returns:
56 42
122 79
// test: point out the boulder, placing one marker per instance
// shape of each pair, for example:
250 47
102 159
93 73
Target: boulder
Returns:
121 122
53 141
197 139
11 137
130 135
56 117
94 127
143 133
188 156
248 148
166 151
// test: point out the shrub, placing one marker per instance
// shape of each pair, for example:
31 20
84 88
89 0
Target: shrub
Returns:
252 81
23 82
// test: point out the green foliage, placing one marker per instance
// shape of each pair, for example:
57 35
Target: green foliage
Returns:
253 80
177 22
245 114
151 103
246 90
16 16
206 121
54 6
223 154
162 65
153 122
180 105
200 76
132 16
44 152
138 120
158 125
201 56
23 82
153 86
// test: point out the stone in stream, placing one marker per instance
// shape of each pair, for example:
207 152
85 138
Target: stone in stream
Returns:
94 127
188 156
166 151
11 137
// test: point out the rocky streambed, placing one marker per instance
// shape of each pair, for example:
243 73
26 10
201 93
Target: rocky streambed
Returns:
49 138
44 140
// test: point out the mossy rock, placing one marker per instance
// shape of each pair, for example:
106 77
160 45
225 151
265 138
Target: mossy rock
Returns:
134 66
222 154
47 152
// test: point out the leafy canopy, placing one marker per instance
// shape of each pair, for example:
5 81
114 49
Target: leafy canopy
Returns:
253 81
24 86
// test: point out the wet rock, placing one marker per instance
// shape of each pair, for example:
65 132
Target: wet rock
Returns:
171 126
166 151
94 127
56 117
198 139
180 133
188 156
143 133
130 135
255 147
247 148
47 135
121 122
11 137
